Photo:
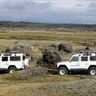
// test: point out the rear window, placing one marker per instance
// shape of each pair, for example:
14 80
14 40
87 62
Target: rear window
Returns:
15 58
93 58
4 58
84 58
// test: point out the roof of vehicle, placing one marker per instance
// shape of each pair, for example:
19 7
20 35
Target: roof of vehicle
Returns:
10 54
76 55
85 54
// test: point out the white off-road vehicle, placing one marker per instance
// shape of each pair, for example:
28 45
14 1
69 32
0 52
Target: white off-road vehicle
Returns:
83 61
13 62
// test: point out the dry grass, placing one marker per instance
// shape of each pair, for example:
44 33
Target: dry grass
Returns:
12 85
35 86
46 35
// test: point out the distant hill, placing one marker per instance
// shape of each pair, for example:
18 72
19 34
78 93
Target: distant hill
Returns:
8 24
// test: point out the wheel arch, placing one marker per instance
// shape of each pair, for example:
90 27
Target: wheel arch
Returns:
91 66
12 66
63 66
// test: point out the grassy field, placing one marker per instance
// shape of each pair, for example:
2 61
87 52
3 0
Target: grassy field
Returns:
45 35
52 85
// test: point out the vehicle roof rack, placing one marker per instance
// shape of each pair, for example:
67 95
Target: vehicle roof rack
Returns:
12 52
87 53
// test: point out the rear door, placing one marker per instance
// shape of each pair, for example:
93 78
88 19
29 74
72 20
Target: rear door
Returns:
16 60
84 62
92 60
4 62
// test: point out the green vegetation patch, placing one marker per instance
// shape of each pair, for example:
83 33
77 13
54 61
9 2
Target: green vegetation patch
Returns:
47 78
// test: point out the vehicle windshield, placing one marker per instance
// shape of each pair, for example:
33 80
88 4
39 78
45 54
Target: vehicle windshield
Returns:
75 58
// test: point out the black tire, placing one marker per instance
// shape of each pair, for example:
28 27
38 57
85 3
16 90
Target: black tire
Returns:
12 70
63 71
92 71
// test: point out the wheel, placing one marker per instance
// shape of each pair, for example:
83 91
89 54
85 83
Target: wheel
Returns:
92 71
12 69
63 71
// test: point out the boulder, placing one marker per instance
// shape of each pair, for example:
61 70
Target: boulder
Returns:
53 47
51 57
34 72
65 47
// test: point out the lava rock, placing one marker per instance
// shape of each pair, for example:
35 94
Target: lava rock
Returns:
65 47
51 57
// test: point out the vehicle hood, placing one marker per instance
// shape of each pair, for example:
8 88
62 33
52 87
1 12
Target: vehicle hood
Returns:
62 63
65 62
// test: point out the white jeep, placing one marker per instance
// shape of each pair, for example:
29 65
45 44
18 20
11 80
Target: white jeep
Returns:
13 62
83 61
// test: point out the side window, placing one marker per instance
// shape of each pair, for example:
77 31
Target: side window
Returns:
15 58
4 59
84 58
75 59
93 58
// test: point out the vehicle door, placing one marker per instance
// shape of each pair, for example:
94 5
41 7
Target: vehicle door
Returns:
16 60
92 60
84 62
4 62
75 62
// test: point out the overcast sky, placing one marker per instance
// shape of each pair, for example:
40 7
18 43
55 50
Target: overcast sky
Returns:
49 11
